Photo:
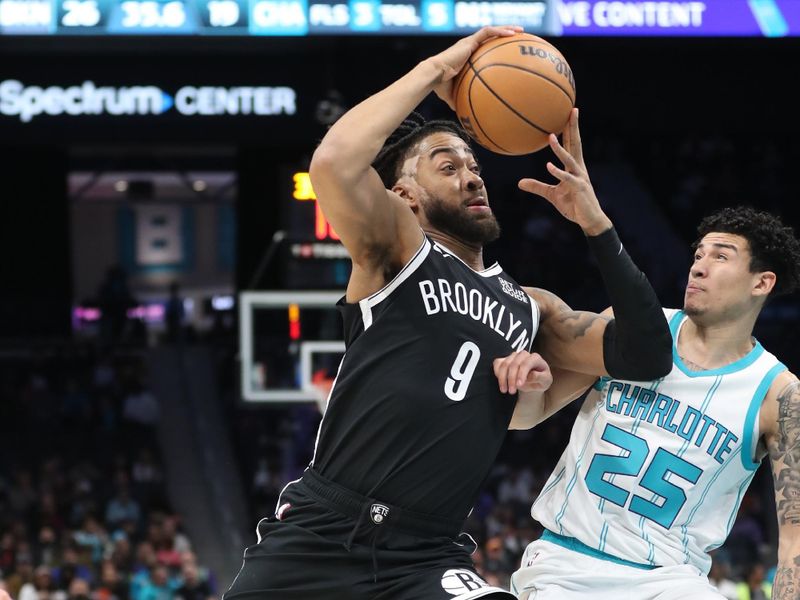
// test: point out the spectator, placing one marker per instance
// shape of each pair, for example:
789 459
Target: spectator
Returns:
175 539
497 561
189 559
193 587
22 495
70 568
114 299
122 507
147 475
140 414
78 589
93 537
41 588
49 515
158 586
8 552
23 571
719 576
112 585
174 314
46 551
122 554
754 587
140 405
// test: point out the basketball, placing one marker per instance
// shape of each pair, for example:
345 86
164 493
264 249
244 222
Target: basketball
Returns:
513 93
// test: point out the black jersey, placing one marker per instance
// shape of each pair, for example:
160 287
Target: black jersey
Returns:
415 417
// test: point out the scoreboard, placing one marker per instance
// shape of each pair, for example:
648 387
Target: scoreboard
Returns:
264 17
752 18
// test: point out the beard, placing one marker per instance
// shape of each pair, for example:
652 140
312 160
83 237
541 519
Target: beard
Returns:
458 222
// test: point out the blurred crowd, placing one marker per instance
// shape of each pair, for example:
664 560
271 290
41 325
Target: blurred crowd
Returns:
84 512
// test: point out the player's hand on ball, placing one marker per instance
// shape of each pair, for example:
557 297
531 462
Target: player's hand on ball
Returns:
574 195
522 372
450 61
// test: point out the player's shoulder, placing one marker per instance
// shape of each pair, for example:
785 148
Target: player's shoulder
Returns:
781 401
546 301
786 386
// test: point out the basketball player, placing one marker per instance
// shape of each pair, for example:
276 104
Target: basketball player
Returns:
438 354
654 471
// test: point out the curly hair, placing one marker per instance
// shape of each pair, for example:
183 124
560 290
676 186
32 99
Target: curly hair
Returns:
773 245
395 150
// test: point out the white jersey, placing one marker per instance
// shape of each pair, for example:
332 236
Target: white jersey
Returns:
654 472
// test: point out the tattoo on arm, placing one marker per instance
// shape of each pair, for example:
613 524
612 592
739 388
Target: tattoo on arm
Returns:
576 323
784 450
785 455
786 585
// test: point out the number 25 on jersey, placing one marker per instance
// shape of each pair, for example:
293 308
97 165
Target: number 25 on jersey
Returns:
667 498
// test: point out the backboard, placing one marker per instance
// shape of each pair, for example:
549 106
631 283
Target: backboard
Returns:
290 345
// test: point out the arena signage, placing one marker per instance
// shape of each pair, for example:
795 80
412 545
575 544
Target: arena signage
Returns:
27 102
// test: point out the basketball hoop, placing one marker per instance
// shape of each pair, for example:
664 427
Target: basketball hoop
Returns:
320 387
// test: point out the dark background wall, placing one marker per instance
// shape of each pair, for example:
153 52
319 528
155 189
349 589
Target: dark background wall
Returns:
634 91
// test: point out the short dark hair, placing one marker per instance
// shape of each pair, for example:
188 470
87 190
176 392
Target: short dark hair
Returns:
773 245
411 130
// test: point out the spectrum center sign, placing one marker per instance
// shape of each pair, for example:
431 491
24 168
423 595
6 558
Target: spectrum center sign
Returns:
88 99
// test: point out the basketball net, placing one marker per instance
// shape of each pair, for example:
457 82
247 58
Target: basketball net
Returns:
320 387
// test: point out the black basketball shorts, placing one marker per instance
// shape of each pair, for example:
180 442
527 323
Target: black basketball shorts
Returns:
327 543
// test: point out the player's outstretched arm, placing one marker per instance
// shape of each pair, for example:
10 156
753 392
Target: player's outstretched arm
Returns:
781 410
636 344
369 219
542 391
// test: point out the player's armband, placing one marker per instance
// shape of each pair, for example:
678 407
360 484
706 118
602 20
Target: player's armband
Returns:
637 343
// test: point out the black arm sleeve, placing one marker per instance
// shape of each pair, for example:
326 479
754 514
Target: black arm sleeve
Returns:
637 343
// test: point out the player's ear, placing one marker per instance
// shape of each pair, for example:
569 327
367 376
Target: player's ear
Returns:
765 283
407 191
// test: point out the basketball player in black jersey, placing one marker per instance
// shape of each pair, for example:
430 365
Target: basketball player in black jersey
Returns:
439 360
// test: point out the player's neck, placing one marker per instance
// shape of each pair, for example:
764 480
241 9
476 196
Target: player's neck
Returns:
714 346
470 254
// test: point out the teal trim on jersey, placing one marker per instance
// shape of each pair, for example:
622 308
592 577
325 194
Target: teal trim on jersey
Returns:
703 407
738 365
674 323
578 462
693 512
577 546
552 485
598 385
603 536
752 413
735 511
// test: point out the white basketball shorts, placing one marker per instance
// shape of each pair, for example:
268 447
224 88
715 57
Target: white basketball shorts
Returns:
551 572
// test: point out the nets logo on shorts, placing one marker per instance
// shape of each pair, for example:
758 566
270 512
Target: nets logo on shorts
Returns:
378 512
461 581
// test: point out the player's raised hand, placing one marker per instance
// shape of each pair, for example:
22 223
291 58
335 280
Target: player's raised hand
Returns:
522 371
451 60
573 196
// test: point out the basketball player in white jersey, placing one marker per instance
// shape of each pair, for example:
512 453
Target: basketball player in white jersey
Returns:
654 471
